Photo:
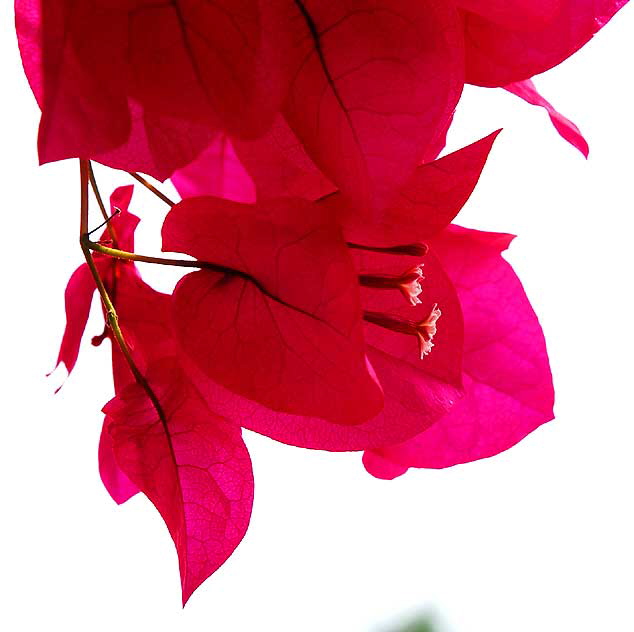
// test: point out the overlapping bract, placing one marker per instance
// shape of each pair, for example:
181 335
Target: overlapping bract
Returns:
507 383
270 335
281 323
81 287
190 462
336 306
416 392
368 86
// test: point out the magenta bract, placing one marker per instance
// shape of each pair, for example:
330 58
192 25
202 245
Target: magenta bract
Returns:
508 388
334 305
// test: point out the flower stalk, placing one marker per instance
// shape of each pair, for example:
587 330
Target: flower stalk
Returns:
112 318
151 187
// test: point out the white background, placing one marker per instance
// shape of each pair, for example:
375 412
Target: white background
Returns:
538 538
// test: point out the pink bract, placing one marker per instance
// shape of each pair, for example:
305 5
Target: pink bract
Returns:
217 172
191 464
273 166
508 389
567 129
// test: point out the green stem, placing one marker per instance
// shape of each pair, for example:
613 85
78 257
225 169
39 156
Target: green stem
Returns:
204 265
164 261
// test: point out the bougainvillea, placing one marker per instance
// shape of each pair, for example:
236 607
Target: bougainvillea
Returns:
330 302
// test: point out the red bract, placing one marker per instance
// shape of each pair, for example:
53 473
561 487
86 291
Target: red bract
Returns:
84 109
141 86
146 315
368 86
280 165
416 391
505 372
374 88
217 62
335 306
280 321
81 287
424 205
118 485
190 463
376 83
508 42
518 14
507 382
156 144
77 299
277 166
567 129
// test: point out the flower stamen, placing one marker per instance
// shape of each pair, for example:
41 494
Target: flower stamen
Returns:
424 330
407 283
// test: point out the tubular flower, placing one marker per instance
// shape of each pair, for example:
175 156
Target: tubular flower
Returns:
421 211
424 330
508 389
408 283
334 305
415 391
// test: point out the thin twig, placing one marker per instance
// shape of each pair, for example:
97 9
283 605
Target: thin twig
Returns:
151 187
102 206
186 263
183 263
106 221
164 261
111 313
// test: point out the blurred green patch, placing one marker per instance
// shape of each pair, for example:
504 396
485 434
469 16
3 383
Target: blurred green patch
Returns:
420 623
